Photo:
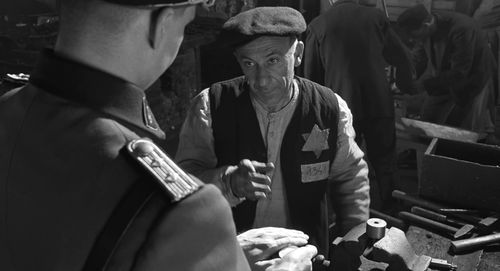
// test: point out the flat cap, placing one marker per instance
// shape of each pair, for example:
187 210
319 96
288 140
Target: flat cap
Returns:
160 3
412 18
262 21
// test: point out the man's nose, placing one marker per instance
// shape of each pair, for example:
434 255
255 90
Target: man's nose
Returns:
261 77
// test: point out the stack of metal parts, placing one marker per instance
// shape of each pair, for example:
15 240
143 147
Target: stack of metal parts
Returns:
467 229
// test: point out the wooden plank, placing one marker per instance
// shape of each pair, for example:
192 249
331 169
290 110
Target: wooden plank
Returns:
431 130
444 5
429 4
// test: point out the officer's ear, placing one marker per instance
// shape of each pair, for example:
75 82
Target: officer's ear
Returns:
299 52
160 19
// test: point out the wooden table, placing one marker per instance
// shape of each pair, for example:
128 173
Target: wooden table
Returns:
434 245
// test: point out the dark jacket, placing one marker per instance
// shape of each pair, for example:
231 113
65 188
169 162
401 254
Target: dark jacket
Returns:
62 172
347 49
464 62
237 136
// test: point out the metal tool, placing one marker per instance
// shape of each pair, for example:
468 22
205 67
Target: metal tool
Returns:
433 206
442 265
474 243
463 229
437 216
428 223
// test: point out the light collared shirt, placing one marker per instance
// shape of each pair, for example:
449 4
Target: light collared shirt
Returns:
196 154
272 211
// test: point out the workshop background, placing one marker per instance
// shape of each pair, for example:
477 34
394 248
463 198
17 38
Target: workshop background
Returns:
26 26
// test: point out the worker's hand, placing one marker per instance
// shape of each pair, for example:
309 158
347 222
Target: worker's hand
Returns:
261 243
250 179
298 259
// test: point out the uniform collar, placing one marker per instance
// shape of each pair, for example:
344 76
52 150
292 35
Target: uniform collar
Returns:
95 89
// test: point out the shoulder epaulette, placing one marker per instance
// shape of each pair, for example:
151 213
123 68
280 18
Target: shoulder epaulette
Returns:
176 183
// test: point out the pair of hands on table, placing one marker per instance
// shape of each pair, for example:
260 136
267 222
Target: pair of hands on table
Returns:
250 179
262 243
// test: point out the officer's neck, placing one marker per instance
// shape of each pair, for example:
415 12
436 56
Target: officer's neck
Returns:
123 61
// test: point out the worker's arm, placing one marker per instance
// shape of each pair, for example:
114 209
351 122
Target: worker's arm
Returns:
349 186
196 155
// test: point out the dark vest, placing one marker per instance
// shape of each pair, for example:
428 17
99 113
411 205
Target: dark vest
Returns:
237 136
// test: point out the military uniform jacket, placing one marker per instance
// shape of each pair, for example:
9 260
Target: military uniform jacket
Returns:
62 173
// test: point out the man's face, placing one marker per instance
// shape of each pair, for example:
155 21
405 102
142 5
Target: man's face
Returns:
268 64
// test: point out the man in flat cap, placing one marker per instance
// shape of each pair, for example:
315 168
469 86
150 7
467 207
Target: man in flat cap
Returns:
73 193
460 68
278 146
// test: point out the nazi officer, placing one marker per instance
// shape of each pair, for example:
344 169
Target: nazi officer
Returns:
74 194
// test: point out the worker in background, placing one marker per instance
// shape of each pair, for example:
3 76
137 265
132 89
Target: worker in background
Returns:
347 49
460 69
68 185
278 146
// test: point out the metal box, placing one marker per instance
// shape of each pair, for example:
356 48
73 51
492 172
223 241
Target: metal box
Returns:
461 174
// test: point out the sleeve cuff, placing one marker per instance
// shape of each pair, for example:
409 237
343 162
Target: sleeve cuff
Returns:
227 191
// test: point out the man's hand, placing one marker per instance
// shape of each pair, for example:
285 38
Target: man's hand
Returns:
250 180
298 259
260 244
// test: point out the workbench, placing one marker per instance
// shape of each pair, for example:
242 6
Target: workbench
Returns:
437 246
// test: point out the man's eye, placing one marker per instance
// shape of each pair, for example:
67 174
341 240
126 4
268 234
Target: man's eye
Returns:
248 63
273 60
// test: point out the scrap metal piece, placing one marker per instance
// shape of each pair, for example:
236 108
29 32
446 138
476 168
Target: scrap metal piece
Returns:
442 264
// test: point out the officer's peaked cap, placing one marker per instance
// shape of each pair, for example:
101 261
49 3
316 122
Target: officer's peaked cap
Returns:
261 21
413 18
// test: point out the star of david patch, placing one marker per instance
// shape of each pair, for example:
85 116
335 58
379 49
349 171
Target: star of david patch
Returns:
316 141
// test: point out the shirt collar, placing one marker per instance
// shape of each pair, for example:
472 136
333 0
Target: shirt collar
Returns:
283 111
95 89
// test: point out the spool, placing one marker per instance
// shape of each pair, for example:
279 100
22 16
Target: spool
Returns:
375 228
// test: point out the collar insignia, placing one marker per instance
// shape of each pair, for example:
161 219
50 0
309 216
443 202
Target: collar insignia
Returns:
147 114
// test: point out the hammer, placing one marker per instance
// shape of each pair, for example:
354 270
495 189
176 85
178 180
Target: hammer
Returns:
462 230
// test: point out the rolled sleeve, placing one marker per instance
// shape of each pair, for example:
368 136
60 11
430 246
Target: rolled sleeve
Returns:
349 185
196 153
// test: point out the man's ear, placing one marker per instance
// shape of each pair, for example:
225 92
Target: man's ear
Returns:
159 19
299 52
